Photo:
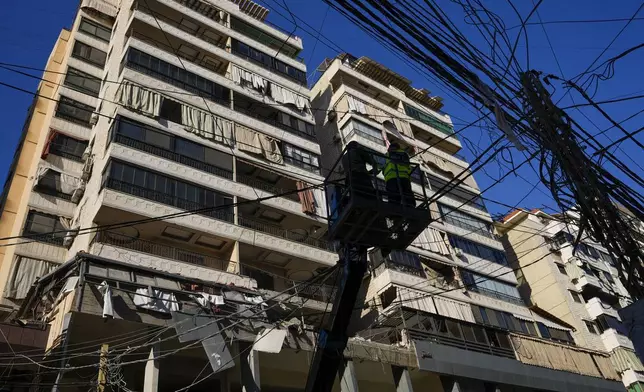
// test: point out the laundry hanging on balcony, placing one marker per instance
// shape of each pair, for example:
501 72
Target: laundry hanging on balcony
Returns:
140 99
248 79
24 273
306 197
106 290
432 240
206 125
156 300
286 96
355 105
65 184
258 144
206 300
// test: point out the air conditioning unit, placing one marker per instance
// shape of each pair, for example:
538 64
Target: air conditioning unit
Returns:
93 119
87 169
554 248
458 252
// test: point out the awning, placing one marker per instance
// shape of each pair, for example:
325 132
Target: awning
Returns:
624 359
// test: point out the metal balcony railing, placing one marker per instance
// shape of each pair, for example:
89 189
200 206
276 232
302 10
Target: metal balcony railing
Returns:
173 156
272 121
461 343
52 192
134 190
157 249
497 295
266 186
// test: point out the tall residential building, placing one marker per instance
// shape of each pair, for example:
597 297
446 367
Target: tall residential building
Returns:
581 287
171 241
452 295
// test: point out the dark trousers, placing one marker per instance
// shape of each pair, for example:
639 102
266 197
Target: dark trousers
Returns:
399 190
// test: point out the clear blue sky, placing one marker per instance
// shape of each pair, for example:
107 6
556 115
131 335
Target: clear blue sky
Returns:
28 31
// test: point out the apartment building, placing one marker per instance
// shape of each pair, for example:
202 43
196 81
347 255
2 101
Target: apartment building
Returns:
580 286
452 292
198 112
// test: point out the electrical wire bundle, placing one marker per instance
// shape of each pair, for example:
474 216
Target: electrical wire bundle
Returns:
497 81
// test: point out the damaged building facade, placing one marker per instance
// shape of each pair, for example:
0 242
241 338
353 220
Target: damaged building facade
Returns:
198 112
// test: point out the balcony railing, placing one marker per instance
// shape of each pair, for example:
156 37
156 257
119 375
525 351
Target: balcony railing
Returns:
461 343
52 239
496 294
164 198
377 140
182 159
283 233
314 291
52 192
157 249
266 186
210 211
275 123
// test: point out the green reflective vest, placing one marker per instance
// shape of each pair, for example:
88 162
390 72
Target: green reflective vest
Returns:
396 165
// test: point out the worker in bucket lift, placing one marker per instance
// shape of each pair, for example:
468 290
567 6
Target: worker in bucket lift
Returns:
397 172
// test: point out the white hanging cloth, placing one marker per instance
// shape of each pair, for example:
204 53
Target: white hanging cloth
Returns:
206 125
320 202
285 96
156 300
139 98
356 105
205 299
249 79
108 308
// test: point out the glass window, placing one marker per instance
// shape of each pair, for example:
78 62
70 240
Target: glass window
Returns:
591 327
429 119
47 225
131 129
218 158
460 219
543 330
576 297
562 269
488 286
478 250
95 29
83 82
189 149
67 147
301 158
158 139
73 110
89 54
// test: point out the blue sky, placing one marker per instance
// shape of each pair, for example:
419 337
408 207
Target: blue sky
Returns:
28 31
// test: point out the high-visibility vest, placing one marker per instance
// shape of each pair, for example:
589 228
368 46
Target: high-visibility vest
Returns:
396 165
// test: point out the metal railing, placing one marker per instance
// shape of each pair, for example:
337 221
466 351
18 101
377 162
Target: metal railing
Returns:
315 291
73 119
52 192
203 8
283 233
274 122
173 156
496 294
134 190
66 155
157 249
52 239
461 343
266 186
272 69
377 140
177 24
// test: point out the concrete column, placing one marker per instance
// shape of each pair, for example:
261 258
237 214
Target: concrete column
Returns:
348 379
234 266
151 381
402 379
249 369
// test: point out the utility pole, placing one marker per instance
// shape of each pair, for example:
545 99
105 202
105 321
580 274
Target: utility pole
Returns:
102 368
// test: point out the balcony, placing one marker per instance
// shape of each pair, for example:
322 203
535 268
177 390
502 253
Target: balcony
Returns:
462 343
595 307
613 339
166 258
277 231
588 281
223 214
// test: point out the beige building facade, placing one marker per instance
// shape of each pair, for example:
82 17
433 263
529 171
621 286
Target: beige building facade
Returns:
581 288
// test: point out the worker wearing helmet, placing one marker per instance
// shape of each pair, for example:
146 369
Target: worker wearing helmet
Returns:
397 173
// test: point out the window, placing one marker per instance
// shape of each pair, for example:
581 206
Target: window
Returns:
89 54
591 327
47 227
543 330
429 119
170 110
177 76
457 218
301 158
576 297
83 82
258 35
241 49
95 29
485 285
405 258
74 111
562 269
51 184
188 152
264 280
363 130
167 190
478 250
608 277
67 147
605 322
457 193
